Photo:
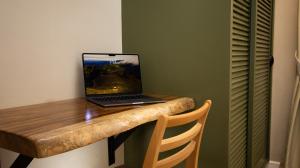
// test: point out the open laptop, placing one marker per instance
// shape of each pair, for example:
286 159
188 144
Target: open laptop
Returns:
114 80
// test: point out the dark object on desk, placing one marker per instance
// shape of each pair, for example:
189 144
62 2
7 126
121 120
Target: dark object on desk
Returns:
114 80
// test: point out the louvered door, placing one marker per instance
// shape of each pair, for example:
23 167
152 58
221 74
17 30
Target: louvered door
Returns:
260 83
240 55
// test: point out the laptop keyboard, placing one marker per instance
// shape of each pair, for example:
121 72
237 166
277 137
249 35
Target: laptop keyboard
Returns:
120 97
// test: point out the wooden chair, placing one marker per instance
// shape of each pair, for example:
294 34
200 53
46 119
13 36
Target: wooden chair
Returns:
192 138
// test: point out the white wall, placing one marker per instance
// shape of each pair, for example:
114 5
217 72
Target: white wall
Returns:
92 156
40 59
284 74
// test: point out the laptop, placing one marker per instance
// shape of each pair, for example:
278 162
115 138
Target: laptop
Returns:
114 80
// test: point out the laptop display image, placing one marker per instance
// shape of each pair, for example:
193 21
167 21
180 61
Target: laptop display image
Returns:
114 79
117 74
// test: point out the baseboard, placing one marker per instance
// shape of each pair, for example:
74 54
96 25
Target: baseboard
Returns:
273 164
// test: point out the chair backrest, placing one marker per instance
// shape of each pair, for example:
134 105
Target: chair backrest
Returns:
192 138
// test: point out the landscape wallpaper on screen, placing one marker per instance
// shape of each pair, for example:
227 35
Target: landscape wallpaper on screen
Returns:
106 74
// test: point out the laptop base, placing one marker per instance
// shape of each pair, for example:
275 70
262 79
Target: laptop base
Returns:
124 100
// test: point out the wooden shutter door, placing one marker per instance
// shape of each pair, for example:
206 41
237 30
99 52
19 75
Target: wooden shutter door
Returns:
240 55
260 84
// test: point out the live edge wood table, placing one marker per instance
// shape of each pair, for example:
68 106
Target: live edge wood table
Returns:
43 130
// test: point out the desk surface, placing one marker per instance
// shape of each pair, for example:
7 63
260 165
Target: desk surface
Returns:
52 128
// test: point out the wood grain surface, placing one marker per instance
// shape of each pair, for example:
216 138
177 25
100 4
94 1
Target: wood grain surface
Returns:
52 128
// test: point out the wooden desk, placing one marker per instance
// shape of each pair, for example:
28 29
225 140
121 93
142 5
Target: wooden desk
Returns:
43 130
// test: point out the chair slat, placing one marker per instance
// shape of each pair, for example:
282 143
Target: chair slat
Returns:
181 139
178 157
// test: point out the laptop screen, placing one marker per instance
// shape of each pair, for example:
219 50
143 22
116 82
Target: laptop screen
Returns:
111 74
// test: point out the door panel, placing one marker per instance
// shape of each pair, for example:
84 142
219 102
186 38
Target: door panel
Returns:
260 85
240 55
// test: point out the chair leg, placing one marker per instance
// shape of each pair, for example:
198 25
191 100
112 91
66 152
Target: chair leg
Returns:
192 161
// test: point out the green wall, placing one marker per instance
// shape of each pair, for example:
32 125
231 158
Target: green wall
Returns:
184 49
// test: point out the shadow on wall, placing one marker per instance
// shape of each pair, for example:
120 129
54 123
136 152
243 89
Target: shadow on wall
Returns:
79 89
